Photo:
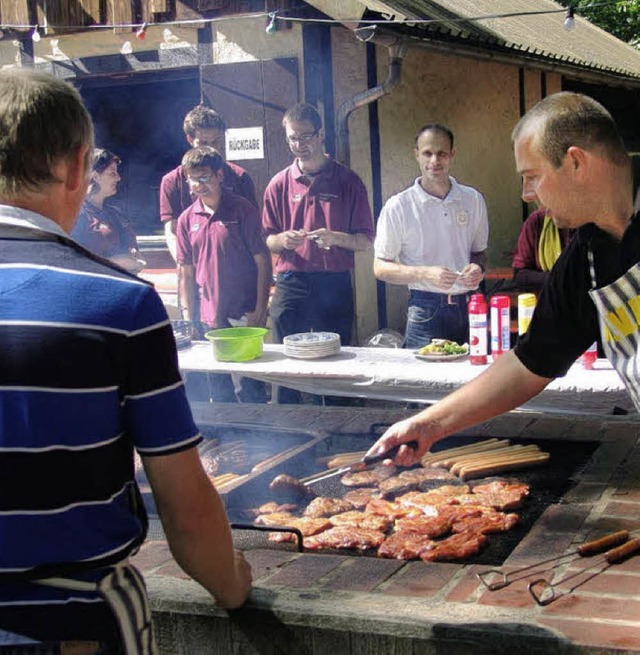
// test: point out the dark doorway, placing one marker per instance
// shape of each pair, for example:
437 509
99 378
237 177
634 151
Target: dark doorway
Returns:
139 117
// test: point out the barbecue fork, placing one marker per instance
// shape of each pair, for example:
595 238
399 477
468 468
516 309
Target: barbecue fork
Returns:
587 549
544 592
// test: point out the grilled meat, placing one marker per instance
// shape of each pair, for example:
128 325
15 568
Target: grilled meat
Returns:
361 496
487 523
370 478
345 536
428 526
457 546
404 545
358 519
287 485
323 506
307 526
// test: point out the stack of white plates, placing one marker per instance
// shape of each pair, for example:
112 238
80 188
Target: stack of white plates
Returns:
311 345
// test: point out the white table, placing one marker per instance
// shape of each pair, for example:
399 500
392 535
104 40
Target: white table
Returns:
395 374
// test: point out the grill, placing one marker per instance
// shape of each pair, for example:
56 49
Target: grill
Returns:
296 453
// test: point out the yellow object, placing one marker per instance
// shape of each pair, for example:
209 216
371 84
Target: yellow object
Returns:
549 246
526 305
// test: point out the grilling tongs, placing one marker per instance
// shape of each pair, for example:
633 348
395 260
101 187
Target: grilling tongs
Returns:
587 549
362 465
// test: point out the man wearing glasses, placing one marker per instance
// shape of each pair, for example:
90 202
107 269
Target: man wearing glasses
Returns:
223 262
316 214
203 127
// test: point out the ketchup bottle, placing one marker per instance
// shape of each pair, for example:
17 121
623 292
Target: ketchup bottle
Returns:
500 325
477 329
589 356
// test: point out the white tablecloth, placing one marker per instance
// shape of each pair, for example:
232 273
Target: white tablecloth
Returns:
395 374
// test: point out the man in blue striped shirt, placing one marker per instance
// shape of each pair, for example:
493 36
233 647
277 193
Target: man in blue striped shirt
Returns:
88 373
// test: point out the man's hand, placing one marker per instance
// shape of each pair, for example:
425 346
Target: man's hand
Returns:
256 318
324 238
399 433
470 276
441 277
242 574
293 239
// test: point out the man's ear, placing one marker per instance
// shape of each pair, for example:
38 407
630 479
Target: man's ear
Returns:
577 159
76 170
190 140
453 153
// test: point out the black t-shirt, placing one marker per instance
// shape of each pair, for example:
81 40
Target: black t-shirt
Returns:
565 321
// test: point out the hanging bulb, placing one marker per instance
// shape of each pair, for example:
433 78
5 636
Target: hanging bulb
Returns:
142 32
35 35
569 21
271 25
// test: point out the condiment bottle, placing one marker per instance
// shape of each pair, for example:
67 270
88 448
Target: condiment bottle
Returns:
478 337
526 305
589 356
500 325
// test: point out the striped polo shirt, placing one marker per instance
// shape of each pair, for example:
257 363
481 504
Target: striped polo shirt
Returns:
88 373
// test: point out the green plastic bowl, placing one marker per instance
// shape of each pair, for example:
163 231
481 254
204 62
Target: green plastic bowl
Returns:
237 344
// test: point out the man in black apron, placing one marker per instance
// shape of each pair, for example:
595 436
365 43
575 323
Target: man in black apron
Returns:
573 162
89 373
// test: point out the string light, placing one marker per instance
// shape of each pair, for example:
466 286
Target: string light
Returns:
273 17
35 34
569 21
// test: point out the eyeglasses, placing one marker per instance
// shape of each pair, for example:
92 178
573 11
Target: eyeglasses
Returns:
302 138
203 179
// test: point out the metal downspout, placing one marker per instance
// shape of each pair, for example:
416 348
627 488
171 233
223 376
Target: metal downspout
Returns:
397 50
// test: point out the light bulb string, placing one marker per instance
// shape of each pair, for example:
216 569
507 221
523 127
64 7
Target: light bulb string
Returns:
274 16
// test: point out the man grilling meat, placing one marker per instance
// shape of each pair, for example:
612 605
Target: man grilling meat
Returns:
573 162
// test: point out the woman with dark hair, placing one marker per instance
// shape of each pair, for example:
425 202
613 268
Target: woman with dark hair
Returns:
100 227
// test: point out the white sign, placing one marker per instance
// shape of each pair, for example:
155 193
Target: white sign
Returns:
244 143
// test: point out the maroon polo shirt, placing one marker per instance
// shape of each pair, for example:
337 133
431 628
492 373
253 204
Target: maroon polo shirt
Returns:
221 247
175 195
335 199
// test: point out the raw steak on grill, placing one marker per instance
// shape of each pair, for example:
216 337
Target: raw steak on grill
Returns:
370 478
345 536
457 546
404 545
324 506
362 520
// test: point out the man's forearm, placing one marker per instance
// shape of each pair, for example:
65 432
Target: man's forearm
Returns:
505 385
187 285
396 273
358 242
194 520
275 243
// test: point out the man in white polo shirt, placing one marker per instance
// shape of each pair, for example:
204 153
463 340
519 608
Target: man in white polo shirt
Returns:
433 237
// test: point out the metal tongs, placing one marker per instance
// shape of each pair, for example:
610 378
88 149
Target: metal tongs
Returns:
362 465
587 549
544 592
